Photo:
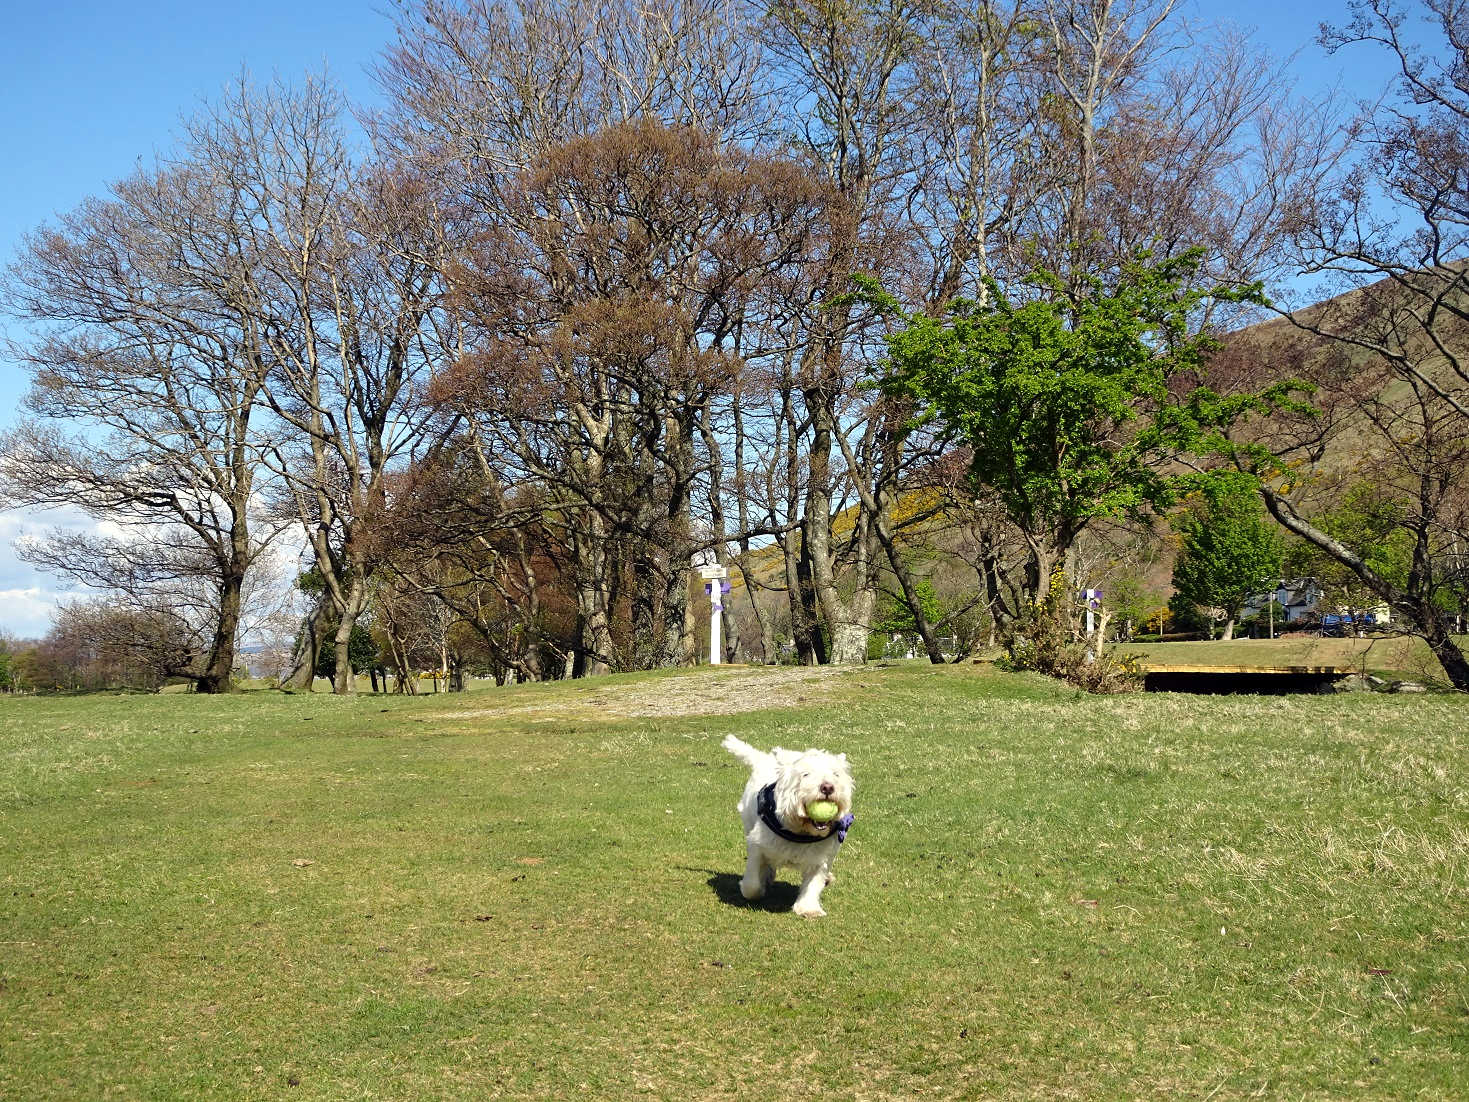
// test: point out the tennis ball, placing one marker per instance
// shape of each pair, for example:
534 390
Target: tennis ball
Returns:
821 811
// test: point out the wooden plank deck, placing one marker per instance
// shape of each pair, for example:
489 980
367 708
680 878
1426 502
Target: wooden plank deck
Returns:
1215 678
1194 667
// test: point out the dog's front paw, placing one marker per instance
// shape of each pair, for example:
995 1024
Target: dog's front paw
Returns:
808 910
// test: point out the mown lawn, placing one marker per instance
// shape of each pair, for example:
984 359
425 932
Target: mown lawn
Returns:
524 894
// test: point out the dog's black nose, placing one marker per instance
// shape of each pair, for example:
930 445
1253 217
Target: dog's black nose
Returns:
827 788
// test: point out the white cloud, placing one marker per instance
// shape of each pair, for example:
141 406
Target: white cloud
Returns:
28 597
26 613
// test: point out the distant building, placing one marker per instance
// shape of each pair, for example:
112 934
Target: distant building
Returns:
1303 601
1299 597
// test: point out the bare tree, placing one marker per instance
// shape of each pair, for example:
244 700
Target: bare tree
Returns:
145 331
978 76
106 644
484 87
1397 381
1146 135
853 63
340 274
1400 217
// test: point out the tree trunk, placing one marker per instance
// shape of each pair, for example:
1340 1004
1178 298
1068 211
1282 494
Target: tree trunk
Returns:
812 643
1047 552
343 681
805 631
849 622
593 599
308 645
763 620
1450 657
849 639
531 664
402 674
594 654
646 641
1038 568
220 663
677 647
994 595
1099 634
876 509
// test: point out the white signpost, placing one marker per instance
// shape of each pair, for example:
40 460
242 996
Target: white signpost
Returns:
1093 598
716 586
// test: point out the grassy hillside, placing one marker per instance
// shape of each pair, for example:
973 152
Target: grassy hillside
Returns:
531 893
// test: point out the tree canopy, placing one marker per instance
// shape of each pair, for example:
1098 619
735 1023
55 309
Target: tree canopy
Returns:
1067 403
1229 551
576 313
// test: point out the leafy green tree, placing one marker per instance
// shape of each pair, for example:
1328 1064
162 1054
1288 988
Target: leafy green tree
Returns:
1132 602
362 652
1230 550
1184 617
896 617
1370 523
1068 403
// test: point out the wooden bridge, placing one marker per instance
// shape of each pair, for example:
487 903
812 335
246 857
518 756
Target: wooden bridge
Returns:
1178 677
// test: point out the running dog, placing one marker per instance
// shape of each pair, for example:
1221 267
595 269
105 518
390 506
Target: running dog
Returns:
778 829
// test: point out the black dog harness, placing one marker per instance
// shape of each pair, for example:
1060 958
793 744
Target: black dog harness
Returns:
765 807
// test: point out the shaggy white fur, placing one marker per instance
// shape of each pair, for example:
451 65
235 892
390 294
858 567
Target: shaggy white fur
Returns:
800 778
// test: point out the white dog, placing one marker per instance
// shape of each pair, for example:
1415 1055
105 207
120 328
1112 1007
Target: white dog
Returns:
778 831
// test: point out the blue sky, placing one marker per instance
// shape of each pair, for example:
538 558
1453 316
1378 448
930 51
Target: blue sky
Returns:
89 89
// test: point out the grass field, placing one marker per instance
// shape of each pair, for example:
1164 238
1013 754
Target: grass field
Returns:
531 893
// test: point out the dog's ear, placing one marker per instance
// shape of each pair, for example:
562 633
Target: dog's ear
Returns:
842 758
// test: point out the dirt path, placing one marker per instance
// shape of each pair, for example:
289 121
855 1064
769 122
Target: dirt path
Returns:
726 690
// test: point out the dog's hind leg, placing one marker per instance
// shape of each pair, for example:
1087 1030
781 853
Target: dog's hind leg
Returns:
758 874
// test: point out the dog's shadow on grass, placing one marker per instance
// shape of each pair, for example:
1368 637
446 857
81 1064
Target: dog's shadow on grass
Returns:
726 888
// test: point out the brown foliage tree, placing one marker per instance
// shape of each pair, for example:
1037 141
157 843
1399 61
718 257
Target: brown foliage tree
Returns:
605 302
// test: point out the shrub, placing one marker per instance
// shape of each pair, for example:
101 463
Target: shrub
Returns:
1045 641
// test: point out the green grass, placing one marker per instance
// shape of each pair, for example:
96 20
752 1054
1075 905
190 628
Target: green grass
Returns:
521 895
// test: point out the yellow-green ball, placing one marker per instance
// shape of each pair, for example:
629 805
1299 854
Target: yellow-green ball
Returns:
821 811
